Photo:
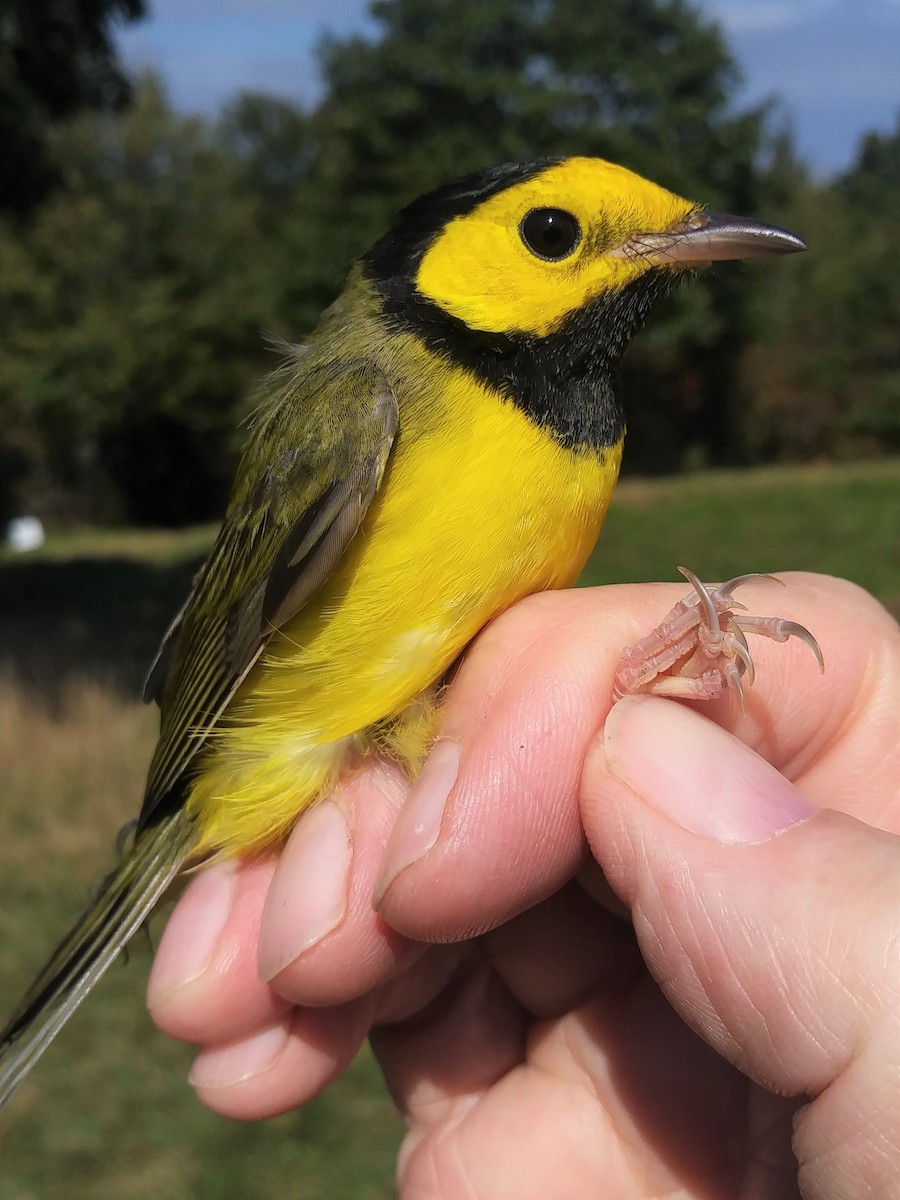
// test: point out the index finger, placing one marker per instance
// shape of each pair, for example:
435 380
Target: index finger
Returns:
493 825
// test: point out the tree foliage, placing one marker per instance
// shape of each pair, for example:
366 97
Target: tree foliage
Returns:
826 368
132 299
131 309
56 58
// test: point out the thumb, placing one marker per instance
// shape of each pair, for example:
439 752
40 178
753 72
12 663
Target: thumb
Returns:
772 927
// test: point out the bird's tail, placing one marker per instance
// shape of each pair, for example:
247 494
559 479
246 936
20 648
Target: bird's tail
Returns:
126 899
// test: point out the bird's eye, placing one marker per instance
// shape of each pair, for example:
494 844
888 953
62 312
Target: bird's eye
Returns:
550 233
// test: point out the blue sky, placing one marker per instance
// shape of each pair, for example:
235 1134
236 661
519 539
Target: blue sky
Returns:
834 63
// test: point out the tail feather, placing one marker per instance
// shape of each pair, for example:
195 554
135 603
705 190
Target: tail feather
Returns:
126 899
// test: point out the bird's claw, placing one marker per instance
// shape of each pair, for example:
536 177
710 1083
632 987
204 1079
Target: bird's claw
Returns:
700 649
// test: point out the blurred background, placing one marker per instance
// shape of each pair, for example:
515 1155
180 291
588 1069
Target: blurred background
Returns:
178 178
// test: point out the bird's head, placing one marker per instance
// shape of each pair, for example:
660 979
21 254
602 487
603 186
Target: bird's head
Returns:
521 248
533 278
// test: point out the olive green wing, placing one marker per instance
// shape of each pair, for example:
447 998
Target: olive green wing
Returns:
315 459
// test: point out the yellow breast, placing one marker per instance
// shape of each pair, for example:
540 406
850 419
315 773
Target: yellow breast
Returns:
478 508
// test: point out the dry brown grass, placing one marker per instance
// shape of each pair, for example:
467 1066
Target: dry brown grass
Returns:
71 777
71 771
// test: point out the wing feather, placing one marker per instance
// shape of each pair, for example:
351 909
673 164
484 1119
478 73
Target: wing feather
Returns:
287 526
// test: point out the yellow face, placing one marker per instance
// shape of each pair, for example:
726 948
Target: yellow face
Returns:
530 255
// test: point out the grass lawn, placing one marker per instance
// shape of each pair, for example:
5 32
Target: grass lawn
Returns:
108 1114
841 520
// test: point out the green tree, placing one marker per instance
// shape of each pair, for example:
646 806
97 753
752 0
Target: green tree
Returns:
825 372
56 58
873 181
271 140
130 312
871 247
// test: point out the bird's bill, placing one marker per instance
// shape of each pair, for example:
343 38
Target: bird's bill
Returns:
710 237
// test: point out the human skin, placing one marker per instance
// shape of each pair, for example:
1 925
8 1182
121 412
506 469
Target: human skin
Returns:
628 949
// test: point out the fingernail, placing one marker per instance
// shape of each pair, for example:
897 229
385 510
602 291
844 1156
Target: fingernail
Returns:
419 823
696 774
234 1064
189 943
308 896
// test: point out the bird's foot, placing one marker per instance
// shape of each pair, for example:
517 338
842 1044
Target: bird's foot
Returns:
700 648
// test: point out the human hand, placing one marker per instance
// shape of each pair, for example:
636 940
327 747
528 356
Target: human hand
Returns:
754 984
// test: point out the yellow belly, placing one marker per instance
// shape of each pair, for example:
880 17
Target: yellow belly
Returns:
474 513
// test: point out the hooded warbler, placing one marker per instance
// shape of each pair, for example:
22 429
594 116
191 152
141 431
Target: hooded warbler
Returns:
445 442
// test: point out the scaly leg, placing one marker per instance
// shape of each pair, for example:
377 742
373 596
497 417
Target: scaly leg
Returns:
700 648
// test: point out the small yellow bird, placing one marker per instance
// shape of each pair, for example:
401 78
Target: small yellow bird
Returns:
446 442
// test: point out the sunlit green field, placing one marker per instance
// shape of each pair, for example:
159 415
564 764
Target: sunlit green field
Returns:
108 1114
